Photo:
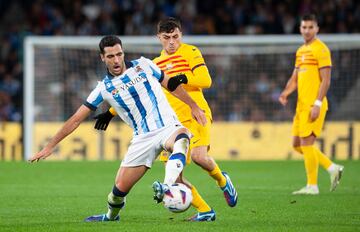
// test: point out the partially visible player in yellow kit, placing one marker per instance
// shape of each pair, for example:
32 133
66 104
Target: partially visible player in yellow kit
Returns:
185 64
311 77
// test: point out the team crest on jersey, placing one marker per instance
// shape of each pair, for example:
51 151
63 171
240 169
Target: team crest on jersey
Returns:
115 92
169 66
138 69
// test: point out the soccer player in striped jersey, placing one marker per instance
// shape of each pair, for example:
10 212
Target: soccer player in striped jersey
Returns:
184 63
134 90
311 77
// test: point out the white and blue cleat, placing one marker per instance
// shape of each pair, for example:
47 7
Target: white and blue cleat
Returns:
229 191
204 217
159 191
101 218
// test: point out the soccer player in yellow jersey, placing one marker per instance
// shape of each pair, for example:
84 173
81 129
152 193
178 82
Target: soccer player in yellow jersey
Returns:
311 78
185 65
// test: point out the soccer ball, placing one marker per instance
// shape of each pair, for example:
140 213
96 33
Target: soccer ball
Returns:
177 198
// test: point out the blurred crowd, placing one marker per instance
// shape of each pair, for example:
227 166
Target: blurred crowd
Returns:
139 17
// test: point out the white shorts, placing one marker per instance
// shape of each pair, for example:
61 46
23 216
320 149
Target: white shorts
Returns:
145 148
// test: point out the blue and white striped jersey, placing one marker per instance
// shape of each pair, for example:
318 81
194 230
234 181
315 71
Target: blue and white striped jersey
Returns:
137 97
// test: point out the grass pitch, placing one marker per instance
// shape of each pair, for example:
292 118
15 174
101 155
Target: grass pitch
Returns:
57 196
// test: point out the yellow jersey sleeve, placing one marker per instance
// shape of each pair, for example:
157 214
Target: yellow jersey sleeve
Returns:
323 56
195 58
200 77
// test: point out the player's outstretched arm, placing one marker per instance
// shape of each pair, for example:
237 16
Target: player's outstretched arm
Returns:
69 126
179 92
103 119
290 87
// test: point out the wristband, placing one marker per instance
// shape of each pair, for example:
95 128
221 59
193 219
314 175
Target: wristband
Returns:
318 103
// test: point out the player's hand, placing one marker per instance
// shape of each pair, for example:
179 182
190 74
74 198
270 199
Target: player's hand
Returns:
315 112
199 115
283 99
43 154
103 120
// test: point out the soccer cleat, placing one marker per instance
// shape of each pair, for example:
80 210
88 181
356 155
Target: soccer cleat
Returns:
229 190
307 190
159 190
203 217
101 218
335 177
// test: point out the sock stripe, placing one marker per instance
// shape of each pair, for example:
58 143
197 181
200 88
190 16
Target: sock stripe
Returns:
117 192
119 206
179 156
182 136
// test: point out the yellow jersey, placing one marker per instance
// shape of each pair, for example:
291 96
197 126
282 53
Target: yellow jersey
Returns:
309 60
186 60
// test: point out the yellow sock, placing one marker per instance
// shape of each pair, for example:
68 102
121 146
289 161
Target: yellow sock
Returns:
324 161
198 202
311 164
298 149
218 176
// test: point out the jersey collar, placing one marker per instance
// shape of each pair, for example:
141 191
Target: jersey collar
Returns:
128 64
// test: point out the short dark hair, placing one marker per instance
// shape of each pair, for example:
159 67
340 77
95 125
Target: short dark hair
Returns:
168 25
309 17
109 41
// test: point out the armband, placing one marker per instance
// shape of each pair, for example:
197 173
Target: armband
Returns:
175 81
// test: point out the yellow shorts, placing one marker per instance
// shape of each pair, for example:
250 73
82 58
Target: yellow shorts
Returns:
303 127
201 137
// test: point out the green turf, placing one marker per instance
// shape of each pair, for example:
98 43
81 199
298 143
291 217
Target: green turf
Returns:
57 196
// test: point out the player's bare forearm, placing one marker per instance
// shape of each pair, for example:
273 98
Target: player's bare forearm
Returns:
196 111
290 87
181 94
325 76
178 91
69 126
